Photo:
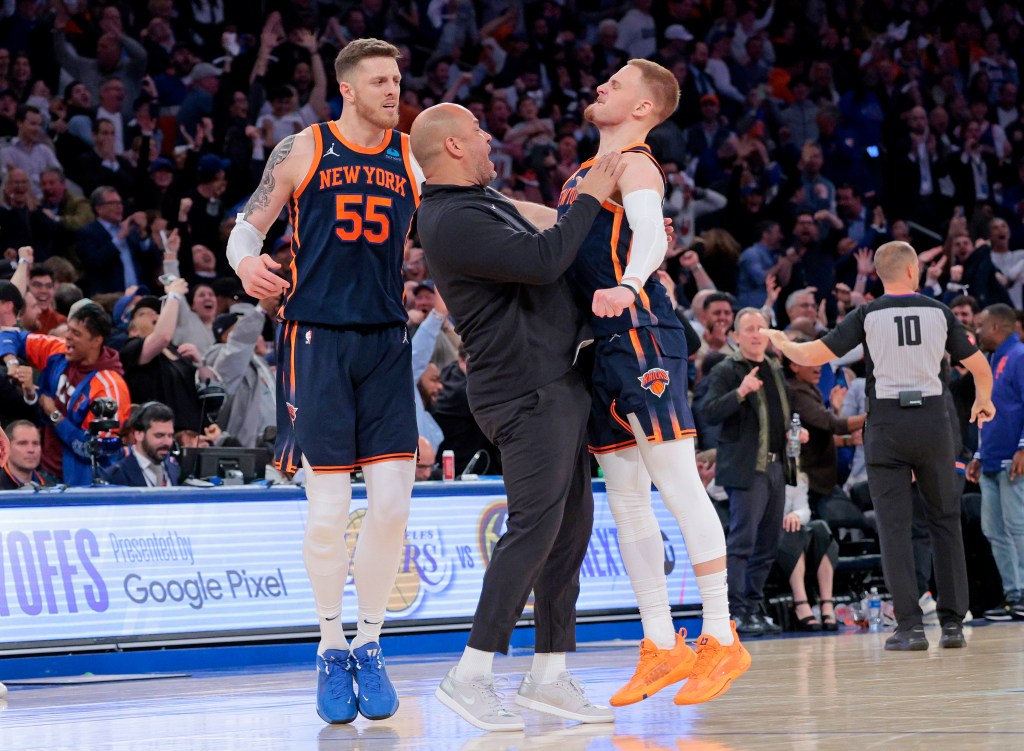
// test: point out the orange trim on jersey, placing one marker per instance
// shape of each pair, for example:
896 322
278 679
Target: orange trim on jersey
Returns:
296 240
641 358
615 415
611 448
407 158
616 229
318 146
385 458
689 433
333 125
291 359
293 215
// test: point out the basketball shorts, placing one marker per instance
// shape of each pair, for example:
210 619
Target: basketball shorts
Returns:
344 397
640 371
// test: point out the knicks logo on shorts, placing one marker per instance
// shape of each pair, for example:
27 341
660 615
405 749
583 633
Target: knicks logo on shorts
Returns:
309 337
292 411
655 380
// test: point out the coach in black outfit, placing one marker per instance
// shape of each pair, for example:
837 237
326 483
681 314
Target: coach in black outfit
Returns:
502 280
905 337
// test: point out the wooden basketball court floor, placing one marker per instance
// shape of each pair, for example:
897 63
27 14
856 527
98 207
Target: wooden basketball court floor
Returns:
816 692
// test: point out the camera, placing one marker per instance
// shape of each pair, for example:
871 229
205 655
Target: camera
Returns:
102 448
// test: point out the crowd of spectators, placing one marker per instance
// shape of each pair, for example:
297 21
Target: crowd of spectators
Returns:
808 133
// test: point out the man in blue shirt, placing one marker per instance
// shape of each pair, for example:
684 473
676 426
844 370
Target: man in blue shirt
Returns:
998 465
756 263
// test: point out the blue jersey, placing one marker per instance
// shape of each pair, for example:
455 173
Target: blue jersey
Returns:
603 257
350 218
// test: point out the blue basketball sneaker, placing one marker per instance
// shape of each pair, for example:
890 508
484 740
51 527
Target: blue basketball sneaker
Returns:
378 699
335 697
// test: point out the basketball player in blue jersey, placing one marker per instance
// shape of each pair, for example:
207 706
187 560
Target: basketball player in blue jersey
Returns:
641 427
345 395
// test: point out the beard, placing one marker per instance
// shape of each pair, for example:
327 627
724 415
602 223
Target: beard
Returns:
590 112
155 453
381 118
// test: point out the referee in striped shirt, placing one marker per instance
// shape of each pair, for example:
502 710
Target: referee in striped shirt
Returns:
908 434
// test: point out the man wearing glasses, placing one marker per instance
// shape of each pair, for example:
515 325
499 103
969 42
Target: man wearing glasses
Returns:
116 252
41 284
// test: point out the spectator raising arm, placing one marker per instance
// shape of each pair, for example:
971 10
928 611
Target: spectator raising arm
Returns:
163 332
26 257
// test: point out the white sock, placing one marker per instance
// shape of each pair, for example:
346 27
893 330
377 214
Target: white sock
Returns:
474 664
655 614
368 627
331 635
547 666
629 497
714 593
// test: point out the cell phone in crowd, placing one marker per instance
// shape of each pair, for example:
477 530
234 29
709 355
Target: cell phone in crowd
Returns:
163 239
166 279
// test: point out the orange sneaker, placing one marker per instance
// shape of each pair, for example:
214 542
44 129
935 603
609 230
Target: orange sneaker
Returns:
717 667
657 668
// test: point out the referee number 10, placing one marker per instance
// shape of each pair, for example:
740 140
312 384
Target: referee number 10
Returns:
908 330
358 220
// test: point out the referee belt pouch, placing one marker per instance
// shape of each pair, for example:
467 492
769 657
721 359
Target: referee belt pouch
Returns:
911 399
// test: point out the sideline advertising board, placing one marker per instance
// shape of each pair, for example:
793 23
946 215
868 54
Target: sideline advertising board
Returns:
148 569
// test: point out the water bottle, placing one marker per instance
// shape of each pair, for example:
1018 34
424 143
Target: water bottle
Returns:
793 441
874 610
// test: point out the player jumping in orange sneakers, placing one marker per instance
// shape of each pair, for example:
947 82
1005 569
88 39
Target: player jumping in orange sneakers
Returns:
640 426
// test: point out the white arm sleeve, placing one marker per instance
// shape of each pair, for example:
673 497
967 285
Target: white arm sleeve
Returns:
643 212
244 240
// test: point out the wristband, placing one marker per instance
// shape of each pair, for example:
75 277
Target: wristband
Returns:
24 260
636 295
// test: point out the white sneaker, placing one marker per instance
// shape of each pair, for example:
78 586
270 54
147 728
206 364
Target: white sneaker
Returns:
968 617
477 702
564 698
928 605
3 690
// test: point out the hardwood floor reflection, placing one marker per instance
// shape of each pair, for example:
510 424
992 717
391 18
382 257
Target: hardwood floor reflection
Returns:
818 692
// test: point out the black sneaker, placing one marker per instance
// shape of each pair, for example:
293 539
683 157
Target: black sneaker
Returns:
748 625
952 636
911 640
1004 611
769 628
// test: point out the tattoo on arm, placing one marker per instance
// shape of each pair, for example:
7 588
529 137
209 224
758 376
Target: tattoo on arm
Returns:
260 199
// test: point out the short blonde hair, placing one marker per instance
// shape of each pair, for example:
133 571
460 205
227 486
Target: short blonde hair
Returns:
892 257
662 84
356 51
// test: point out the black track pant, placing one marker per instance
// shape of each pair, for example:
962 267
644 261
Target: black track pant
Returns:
542 439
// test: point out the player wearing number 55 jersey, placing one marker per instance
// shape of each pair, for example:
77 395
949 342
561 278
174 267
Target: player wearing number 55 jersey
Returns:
345 390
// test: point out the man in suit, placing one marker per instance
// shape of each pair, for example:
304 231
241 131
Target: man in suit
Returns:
148 464
116 252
